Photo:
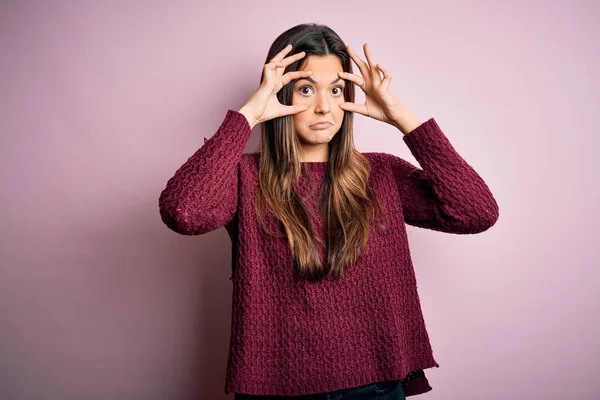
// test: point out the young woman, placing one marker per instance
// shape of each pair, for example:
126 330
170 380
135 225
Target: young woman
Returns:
325 302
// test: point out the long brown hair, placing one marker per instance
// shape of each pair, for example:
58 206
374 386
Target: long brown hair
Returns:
346 203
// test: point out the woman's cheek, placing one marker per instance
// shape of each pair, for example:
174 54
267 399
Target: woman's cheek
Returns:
300 99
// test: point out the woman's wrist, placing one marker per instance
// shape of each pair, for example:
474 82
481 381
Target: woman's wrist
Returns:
251 120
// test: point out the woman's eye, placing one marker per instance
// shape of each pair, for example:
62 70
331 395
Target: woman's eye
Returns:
340 90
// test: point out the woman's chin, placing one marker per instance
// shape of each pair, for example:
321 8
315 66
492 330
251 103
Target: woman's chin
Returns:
320 139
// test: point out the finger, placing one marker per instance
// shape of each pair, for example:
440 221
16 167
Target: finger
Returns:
362 66
279 56
375 74
369 56
287 61
353 107
295 109
290 76
358 80
387 77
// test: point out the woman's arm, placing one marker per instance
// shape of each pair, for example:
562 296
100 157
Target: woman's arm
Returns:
203 194
446 194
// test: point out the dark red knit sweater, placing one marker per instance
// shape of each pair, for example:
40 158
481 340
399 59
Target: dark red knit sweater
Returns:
295 337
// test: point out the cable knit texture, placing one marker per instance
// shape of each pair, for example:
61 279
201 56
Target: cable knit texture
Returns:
294 337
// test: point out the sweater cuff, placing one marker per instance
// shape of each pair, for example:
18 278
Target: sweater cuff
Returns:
428 138
426 128
236 121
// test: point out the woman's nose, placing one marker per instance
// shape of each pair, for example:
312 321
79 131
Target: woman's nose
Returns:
322 105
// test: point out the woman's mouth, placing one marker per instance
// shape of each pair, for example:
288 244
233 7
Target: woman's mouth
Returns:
321 125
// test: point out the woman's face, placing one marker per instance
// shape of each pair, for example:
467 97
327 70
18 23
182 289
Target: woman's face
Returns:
322 92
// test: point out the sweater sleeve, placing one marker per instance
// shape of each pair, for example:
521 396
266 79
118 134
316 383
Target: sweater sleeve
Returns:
446 194
203 194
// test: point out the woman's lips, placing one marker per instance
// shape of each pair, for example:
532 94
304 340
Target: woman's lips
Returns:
322 125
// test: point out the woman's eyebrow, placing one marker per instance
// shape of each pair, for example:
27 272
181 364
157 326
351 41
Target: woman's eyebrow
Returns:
315 82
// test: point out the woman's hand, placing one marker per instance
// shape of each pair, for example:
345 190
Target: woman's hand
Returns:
263 105
379 103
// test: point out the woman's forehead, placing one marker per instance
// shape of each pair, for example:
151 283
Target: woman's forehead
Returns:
323 64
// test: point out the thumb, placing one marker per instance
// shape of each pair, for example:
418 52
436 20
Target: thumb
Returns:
297 109
348 107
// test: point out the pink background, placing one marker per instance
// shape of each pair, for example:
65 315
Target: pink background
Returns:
102 102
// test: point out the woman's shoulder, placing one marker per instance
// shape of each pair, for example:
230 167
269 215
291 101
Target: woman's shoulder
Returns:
248 165
380 159
388 160
250 159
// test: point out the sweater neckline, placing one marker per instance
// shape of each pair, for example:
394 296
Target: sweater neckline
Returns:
315 165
